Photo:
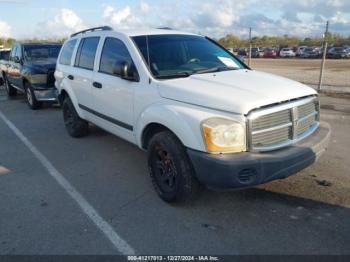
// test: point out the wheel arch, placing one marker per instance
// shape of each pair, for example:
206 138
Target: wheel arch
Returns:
167 118
66 92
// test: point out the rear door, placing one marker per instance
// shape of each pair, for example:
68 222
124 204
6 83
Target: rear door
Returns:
83 76
114 96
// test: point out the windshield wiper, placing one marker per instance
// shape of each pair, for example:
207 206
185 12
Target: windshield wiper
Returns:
176 75
215 69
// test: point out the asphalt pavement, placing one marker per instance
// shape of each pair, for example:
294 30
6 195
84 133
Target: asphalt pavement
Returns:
39 215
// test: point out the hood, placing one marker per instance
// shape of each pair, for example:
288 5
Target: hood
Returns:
43 65
237 91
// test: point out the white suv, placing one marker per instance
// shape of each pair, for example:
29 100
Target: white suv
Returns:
202 115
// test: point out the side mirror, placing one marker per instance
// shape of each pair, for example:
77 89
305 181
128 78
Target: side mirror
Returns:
126 71
17 60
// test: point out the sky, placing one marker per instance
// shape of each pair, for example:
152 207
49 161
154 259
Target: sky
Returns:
215 18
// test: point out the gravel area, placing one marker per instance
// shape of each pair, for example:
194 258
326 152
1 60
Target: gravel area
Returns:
337 72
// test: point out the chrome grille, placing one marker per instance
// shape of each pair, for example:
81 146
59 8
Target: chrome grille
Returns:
305 124
282 125
271 137
273 119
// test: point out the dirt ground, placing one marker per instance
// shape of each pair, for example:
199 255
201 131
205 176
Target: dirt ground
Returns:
337 72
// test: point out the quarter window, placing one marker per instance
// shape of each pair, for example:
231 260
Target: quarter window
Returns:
86 53
114 52
67 52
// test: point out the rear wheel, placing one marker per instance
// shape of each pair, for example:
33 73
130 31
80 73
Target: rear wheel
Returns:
170 169
11 91
76 126
33 103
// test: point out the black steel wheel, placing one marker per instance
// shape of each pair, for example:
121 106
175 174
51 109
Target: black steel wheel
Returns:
171 171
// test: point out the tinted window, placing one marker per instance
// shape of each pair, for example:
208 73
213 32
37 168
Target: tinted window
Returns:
4 55
86 53
40 52
67 52
114 51
171 56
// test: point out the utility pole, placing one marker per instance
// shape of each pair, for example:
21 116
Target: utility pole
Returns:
250 47
325 45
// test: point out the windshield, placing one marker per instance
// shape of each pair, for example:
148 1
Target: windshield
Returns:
4 55
38 52
172 56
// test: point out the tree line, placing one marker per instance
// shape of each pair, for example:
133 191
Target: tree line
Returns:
233 41
8 42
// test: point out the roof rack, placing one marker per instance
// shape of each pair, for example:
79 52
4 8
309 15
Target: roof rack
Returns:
165 28
101 28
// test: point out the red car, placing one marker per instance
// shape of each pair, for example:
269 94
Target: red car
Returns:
270 53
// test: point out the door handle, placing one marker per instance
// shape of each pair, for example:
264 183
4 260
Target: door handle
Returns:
97 85
70 77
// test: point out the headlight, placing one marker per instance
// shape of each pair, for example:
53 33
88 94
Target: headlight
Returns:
39 79
223 135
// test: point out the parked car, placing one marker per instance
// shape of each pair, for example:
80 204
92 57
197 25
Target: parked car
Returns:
287 52
255 52
339 52
203 116
4 56
270 53
230 50
311 52
300 50
30 69
261 52
242 52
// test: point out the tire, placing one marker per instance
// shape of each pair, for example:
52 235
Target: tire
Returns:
10 90
32 102
75 126
171 171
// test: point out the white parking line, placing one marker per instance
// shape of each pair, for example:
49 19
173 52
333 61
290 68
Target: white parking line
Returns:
122 246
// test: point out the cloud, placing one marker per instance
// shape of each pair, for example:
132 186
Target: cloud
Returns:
5 29
65 22
144 7
120 18
215 18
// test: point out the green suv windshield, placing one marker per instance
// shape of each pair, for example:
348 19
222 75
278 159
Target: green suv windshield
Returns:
173 56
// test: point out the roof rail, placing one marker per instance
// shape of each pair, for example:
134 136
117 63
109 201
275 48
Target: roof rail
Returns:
165 28
101 28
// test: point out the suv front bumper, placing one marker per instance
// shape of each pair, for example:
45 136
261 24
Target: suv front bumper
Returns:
241 170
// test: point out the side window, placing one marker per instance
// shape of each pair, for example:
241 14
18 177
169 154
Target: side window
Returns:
114 51
67 52
86 53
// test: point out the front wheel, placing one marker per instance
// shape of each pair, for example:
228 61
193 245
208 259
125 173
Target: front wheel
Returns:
170 169
33 103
